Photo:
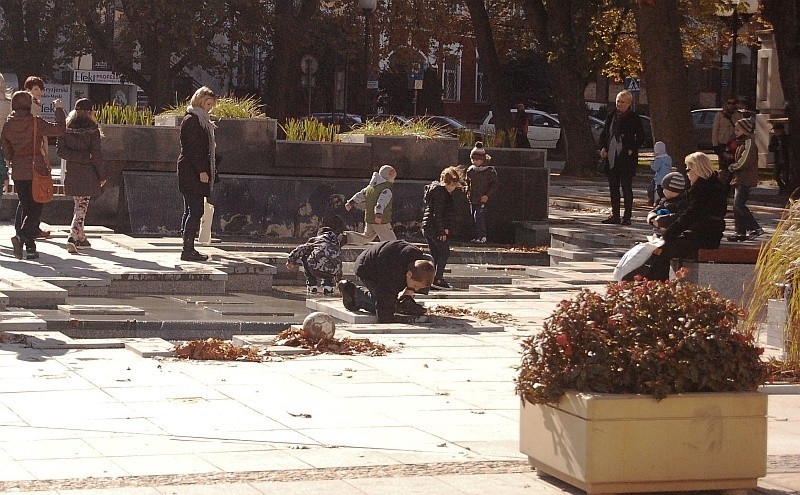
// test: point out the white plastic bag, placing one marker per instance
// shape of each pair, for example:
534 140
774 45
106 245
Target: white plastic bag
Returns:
205 223
636 257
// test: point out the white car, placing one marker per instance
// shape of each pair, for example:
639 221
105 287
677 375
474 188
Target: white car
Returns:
543 130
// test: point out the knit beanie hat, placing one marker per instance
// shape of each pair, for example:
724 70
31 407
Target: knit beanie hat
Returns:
674 182
746 125
479 152
84 104
659 148
387 172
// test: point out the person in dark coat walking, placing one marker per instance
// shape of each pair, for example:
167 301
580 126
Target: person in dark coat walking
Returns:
84 174
23 137
437 220
196 167
392 272
621 139
702 222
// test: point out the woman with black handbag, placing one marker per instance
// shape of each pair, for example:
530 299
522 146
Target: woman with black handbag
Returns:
22 139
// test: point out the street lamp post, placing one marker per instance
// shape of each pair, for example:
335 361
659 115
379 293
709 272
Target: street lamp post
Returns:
367 8
734 17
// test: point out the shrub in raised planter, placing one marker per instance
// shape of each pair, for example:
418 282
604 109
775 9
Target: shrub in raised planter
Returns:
646 388
641 337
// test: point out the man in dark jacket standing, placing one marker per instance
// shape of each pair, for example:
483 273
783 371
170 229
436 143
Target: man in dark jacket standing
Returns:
621 138
387 269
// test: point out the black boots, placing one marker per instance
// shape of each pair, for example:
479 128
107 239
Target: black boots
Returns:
189 252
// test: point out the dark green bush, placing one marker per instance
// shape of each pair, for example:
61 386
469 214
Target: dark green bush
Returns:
641 337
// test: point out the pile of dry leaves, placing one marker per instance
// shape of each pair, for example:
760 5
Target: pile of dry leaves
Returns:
498 318
221 350
293 338
217 350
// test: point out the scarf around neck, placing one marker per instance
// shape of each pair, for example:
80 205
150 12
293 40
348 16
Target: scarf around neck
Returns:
205 123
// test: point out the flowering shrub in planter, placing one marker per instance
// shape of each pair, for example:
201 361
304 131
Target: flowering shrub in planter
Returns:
641 337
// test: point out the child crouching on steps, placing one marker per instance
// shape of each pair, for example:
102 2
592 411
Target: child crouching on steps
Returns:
321 257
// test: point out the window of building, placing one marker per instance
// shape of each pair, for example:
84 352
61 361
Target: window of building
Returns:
481 91
451 79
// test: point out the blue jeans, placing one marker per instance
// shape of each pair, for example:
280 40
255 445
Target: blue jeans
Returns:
742 217
440 252
479 217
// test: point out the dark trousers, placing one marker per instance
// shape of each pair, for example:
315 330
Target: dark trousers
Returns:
29 213
617 179
479 219
681 247
314 276
440 252
743 219
190 222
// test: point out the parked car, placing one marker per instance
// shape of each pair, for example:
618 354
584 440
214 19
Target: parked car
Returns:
703 124
346 121
448 125
383 117
544 130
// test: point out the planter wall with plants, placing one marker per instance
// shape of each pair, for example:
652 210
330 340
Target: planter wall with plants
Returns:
245 145
611 443
508 157
322 159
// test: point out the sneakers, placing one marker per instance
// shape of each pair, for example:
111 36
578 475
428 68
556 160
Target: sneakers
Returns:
612 220
193 256
440 285
755 233
478 240
16 242
348 291
32 255
327 290
86 244
311 289
406 305
625 221
737 237
72 246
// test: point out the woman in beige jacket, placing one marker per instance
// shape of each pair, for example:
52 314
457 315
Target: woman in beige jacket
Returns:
22 139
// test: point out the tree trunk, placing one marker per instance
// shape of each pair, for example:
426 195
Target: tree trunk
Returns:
490 65
283 61
581 159
783 15
658 29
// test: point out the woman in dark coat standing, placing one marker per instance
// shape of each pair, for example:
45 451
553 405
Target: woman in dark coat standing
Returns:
621 138
84 175
196 167
702 222
437 220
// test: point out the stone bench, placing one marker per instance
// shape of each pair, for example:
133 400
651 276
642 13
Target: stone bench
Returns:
728 269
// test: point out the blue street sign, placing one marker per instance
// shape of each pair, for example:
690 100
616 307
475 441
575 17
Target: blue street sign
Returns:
632 84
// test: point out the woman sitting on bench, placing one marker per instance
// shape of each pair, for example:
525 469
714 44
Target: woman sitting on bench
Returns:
702 222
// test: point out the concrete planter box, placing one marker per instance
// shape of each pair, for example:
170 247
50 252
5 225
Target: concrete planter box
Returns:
607 443
323 159
413 158
245 146
140 143
508 157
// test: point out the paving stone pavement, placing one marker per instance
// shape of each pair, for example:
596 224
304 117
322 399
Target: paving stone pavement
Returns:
437 415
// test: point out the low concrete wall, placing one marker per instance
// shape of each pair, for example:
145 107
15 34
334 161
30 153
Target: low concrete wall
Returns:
270 207
508 157
323 159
